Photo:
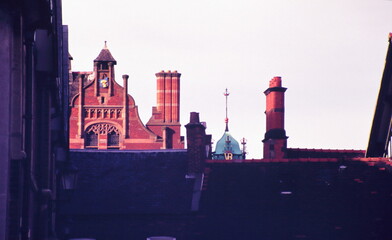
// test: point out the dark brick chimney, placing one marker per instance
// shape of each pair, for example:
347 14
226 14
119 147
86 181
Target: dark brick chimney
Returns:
196 144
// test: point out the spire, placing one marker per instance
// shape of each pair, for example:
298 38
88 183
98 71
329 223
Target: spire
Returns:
226 94
105 55
227 147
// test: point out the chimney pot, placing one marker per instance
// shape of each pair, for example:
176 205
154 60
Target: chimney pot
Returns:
194 117
275 82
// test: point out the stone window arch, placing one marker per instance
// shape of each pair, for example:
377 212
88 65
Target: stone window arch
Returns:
96 131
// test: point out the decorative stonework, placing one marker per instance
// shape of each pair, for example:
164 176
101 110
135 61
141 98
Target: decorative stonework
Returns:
113 113
102 128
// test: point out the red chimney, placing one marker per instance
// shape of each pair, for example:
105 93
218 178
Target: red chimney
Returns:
168 95
165 119
175 101
275 139
160 91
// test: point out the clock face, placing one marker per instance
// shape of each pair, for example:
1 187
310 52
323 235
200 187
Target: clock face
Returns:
104 83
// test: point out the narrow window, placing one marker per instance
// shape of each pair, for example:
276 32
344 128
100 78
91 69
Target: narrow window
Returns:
104 66
91 140
271 147
113 140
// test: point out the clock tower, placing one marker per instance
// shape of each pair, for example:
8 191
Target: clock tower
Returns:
104 73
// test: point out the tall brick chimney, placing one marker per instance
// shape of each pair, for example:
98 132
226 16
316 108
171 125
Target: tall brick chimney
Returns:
165 119
168 95
196 141
275 139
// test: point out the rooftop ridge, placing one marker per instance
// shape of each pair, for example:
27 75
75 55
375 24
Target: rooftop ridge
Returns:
327 150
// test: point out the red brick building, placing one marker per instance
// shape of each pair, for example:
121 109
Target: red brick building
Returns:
104 116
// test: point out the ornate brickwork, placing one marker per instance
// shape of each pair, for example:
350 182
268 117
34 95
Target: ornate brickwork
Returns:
97 112
102 128
104 115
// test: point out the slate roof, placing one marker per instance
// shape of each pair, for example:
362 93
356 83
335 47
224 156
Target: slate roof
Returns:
74 78
124 182
342 200
325 200
105 56
323 153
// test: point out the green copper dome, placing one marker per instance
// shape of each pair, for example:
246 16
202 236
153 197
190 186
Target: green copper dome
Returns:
227 148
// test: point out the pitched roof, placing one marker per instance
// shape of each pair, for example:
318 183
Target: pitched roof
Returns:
124 182
105 56
328 200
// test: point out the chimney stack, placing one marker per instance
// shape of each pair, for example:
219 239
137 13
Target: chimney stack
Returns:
196 140
125 105
168 95
275 139
165 119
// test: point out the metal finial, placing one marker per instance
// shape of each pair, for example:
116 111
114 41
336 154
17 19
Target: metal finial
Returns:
106 47
226 94
243 142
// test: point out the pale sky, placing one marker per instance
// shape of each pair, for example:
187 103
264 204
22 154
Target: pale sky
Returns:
329 53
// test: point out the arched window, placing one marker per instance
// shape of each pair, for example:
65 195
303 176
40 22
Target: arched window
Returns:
94 132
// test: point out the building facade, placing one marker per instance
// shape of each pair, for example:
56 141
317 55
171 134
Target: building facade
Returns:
104 116
34 122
